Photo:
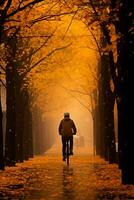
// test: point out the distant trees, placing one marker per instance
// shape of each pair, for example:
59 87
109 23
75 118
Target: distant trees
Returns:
42 137
95 14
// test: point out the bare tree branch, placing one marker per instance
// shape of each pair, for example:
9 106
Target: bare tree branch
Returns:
44 58
2 2
32 3
35 36
83 88
3 83
95 39
44 43
46 17
2 68
70 23
68 91
7 6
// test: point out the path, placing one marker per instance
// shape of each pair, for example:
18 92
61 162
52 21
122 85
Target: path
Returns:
48 178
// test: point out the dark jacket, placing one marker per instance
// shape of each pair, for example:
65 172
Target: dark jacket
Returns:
67 127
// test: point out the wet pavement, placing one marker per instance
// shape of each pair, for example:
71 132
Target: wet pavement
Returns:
60 182
49 178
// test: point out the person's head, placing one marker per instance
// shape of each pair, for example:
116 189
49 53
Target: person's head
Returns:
66 115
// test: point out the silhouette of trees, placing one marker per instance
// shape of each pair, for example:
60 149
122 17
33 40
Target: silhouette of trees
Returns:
19 62
114 19
6 12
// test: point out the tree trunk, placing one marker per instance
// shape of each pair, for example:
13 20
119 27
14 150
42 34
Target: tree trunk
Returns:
125 58
96 131
108 112
1 139
10 117
27 132
101 143
1 116
19 123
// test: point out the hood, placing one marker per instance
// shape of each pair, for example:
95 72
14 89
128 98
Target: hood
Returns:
66 118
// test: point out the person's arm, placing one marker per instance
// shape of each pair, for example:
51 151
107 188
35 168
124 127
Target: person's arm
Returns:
60 128
74 128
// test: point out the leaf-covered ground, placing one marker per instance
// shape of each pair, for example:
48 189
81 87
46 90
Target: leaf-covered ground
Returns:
48 178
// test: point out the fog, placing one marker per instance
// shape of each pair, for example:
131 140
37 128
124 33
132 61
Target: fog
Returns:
68 88
83 121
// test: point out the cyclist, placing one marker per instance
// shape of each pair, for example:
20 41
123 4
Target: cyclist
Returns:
67 129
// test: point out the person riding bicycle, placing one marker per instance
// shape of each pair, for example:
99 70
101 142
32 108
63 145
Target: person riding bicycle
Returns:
67 129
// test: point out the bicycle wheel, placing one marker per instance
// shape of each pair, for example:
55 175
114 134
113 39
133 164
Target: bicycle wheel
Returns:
67 151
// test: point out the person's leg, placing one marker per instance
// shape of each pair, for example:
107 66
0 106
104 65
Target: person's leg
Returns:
71 145
63 147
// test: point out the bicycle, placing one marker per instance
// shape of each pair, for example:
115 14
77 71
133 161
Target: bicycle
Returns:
67 151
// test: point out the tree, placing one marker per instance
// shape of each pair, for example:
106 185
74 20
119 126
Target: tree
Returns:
6 12
119 15
125 58
1 139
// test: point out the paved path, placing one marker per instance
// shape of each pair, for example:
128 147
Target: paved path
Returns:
48 178
54 180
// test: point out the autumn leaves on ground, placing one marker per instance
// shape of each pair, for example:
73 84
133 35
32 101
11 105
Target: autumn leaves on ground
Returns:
47 177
